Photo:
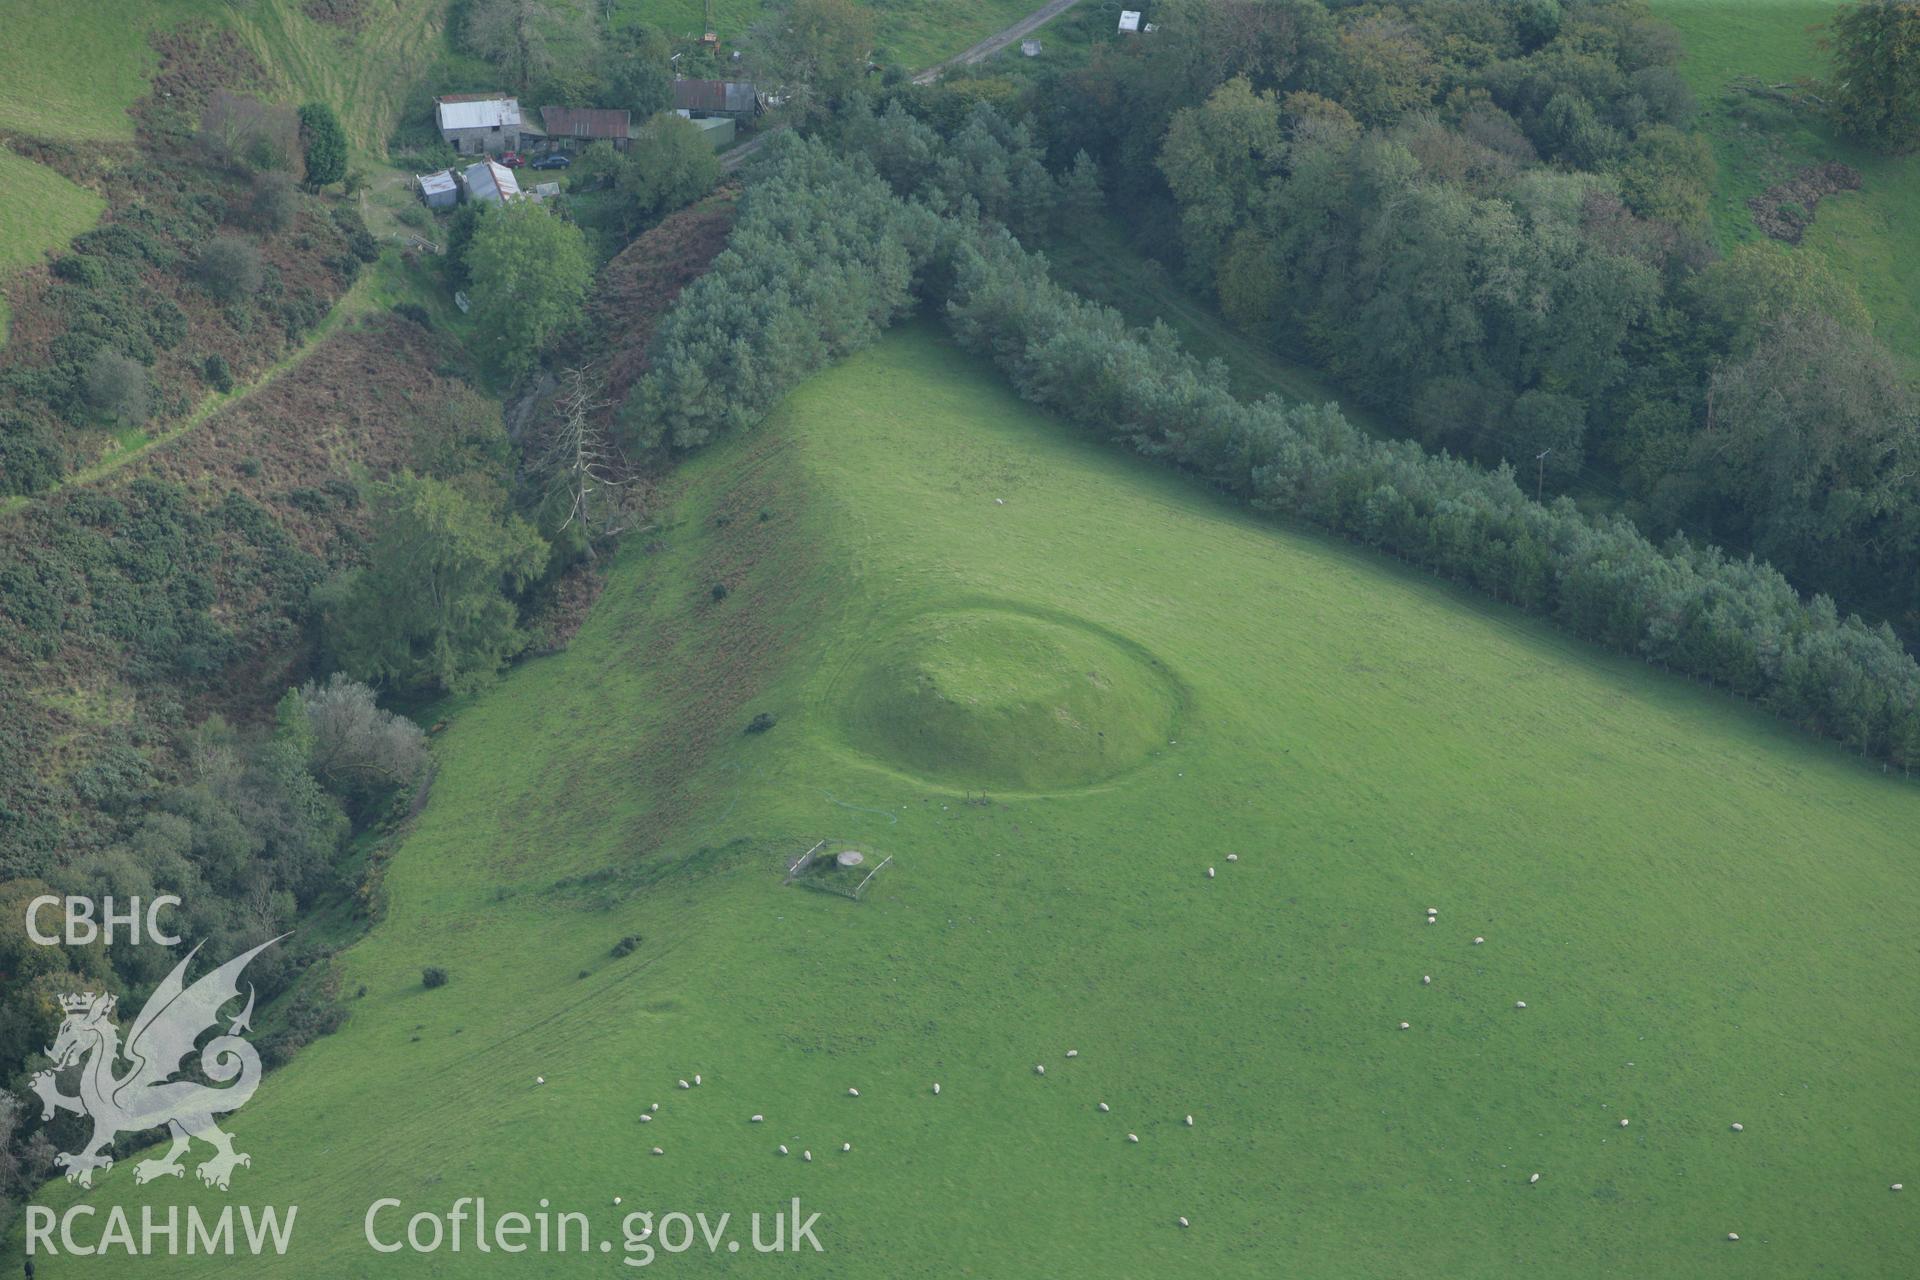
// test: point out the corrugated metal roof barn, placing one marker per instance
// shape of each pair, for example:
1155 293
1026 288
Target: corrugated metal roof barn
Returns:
731 97
467 111
588 124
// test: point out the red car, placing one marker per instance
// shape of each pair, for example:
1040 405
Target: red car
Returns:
511 159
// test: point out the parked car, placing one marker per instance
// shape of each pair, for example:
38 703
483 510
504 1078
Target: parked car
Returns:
554 161
511 159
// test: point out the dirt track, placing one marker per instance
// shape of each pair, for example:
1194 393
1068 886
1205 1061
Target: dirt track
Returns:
985 49
999 39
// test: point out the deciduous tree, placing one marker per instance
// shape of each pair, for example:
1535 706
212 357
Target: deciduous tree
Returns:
1876 56
670 164
530 273
814 51
431 608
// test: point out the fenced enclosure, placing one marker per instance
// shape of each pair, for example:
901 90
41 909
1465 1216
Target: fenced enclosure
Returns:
836 868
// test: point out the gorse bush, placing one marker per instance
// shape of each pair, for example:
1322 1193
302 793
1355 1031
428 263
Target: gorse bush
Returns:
218 373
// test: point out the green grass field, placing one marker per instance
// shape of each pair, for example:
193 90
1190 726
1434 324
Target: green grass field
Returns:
71 73
911 33
42 211
1706 913
1870 237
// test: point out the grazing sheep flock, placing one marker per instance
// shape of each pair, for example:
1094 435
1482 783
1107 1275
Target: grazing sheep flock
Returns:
1040 1069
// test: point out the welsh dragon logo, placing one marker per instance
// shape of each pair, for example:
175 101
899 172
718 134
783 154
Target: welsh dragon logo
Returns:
144 1095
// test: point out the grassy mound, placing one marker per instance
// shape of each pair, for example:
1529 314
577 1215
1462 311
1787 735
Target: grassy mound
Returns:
989 699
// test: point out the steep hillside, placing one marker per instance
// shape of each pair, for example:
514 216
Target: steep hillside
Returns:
72 76
1345 744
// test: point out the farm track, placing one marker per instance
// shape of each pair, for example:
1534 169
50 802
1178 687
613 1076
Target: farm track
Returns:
350 305
998 40
984 49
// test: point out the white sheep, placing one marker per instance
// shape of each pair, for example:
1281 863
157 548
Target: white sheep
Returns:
1478 941
1624 1122
1209 873
685 1085
1073 1053
1405 1025
1433 919
1039 1070
659 1151
1133 1137
1105 1108
853 1093
755 1119
1535 1178
807 1156
696 1079
1897 1187
1233 857
936 1087
1739 1128
1426 979
617 1200
846 1146
539 1079
645 1118
1519 1004
1433 911
1184 1222
783 1148
1189 1122
1733 1235
654 1107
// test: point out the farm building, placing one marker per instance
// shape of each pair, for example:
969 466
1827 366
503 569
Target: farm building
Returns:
439 190
1130 20
491 182
720 131
699 99
478 123
570 128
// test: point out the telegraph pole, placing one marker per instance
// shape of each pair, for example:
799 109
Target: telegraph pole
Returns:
1540 480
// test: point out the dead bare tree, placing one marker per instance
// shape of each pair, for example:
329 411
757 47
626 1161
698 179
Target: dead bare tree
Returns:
580 464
